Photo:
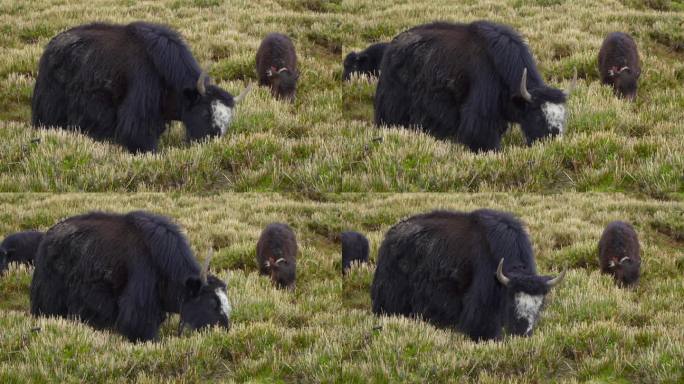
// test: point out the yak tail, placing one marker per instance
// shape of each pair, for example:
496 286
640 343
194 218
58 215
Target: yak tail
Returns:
168 247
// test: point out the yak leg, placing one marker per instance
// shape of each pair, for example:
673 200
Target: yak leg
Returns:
48 289
139 118
140 312
93 303
48 294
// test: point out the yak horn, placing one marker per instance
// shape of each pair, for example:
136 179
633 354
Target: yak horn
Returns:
244 93
553 282
623 260
499 273
573 84
205 268
523 87
201 83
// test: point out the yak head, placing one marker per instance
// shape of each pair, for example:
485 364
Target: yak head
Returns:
205 303
625 271
525 293
283 83
208 110
624 82
353 63
541 110
283 272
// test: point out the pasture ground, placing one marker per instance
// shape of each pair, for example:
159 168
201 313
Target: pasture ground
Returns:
325 141
591 331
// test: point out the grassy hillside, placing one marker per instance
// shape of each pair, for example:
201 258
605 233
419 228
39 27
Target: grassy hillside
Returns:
324 331
326 141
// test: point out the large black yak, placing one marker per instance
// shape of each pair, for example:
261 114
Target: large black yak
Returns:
619 253
619 64
276 254
125 272
355 249
474 272
466 82
366 62
276 66
19 247
124 83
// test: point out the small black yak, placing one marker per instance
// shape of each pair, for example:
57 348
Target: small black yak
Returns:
619 253
276 254
124 83
466 82
354 249
366 62
19 247
474 272
125 272
276 65
619 64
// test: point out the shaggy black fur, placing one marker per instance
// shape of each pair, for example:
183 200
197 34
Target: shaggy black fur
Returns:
619 253
125 272
442 266
276 65
354 249
19 247
276 254
124 83
619 64
462 82
366 62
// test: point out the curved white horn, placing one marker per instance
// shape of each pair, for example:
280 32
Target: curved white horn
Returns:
201 83
553 282
244 93
205 267
573 84
500 276
523 87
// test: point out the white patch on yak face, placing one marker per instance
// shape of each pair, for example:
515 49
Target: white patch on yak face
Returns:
527 307
222 115
555 116
225 304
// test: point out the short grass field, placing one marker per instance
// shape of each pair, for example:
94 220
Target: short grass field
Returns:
324 331
326 141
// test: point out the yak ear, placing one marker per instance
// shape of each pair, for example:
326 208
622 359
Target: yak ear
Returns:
193 286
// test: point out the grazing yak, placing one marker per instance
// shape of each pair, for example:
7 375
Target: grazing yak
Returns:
276 254
619 64
276 65
354 249
474 272
125 272
466 82
124 83
619 253
366 62
19 247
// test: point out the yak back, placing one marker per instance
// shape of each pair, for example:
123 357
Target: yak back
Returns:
112 245
169 54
